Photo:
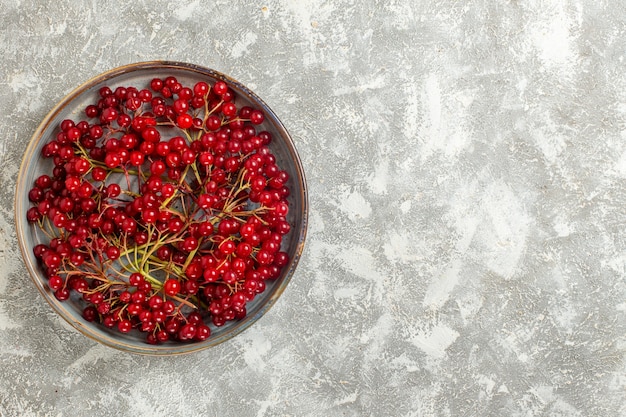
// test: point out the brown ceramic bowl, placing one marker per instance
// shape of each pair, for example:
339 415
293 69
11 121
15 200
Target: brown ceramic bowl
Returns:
71 107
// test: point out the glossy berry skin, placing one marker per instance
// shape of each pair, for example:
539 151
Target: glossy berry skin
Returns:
171 287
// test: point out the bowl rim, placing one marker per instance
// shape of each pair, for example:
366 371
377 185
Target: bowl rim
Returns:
20 207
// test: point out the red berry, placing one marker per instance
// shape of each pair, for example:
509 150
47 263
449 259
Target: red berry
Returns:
125 297
180 106
187 332
150 134
55 282
203 332
156 84
220 88
184 121
257 117
229 109
135 279
62 294
189 244
201 88
171 287
113 253
124 326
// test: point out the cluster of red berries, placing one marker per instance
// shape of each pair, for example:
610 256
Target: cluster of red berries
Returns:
165 209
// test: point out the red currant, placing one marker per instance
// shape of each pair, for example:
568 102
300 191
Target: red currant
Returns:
171 287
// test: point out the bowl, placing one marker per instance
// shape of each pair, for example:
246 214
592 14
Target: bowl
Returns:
72 107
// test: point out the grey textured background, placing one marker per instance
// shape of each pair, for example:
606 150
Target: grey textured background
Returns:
467 166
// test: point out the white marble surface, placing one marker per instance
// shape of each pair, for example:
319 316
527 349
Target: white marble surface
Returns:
467 168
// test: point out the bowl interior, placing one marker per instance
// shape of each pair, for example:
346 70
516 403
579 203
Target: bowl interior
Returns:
72 107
